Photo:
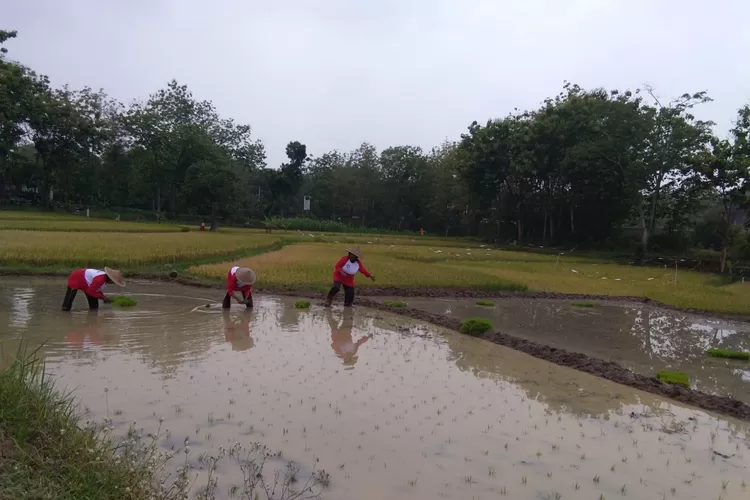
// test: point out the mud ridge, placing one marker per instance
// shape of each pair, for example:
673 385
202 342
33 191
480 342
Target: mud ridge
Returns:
581 362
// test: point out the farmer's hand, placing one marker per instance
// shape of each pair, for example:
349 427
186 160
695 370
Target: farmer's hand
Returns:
107 300
372 278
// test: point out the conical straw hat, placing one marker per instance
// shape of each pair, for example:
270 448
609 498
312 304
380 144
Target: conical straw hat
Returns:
355 250
246 276
115 276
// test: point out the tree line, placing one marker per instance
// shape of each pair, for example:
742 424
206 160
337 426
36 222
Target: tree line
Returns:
588 167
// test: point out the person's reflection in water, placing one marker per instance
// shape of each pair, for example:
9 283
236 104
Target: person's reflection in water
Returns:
237 330
91 330
341 338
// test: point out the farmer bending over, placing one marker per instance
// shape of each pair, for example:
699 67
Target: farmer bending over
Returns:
91 281
343 274
239 286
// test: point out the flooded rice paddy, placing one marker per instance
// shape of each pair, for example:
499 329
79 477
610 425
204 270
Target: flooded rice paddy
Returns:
642 338
388 407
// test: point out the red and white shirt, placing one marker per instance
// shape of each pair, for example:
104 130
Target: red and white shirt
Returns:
234 286
345 270
91 281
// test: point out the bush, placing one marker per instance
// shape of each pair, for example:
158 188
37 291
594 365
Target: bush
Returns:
672 377
723 353
395 303
325 226
185 229
487 303
302 304
476 326
123 301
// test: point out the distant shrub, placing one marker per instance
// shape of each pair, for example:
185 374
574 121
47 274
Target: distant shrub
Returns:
484 302
123 301
185 229
673 377
395 303
476 326
302 304
723 353
325 226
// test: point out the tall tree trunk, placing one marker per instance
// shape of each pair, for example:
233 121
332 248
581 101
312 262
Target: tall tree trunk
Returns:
572 221
724 252
645 233
544 229
158 203
214 220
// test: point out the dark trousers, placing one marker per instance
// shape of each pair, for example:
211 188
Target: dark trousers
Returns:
70 294
348 293
228 301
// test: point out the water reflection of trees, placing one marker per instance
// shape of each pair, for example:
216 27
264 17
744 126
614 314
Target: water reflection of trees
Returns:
680 341
671 336
641 338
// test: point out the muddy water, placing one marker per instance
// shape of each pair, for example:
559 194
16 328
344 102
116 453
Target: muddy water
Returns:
642 338
388 407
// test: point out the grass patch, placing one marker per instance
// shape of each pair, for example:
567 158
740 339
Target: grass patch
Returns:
583 304
486 303
47 452
476 326
723 353
673 377
395 303
123 301
302 304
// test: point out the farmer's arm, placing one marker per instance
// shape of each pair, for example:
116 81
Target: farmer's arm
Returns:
363 270
232 288
95 288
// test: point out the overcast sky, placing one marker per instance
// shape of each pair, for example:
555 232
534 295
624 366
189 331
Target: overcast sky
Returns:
335 73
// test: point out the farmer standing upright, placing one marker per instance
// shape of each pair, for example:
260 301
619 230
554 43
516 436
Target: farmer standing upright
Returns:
239 286
343 275
91 281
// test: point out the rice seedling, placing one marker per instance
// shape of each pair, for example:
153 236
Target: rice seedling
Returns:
486 303
395 303
302 304
124 301
723 353
583 305
673 377
476 326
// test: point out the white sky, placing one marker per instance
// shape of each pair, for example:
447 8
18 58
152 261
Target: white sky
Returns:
335 73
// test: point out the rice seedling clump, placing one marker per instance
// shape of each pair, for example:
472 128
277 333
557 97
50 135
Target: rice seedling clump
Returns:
673 377
476 326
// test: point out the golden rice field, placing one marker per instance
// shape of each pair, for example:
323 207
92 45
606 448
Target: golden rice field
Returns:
44 248
87 225
36 239
311 265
